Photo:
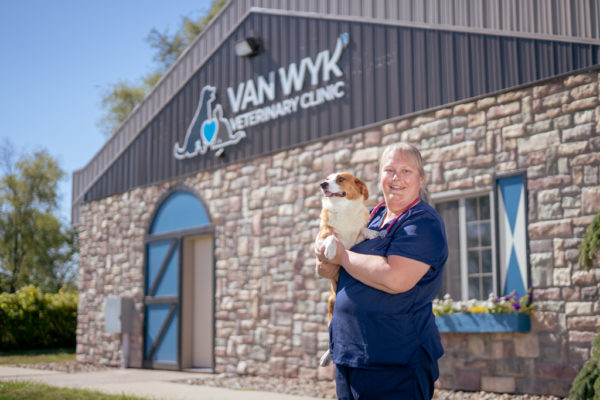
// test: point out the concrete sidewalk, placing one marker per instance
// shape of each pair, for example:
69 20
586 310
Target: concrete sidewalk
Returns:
150 384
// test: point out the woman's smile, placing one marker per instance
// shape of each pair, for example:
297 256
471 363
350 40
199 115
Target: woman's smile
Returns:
400 182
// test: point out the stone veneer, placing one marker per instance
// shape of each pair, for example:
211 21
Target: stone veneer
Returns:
270 316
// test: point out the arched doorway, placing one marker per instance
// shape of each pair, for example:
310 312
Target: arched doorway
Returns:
179 285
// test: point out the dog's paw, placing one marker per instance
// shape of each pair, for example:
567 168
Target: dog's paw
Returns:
330 247
325 359
369 233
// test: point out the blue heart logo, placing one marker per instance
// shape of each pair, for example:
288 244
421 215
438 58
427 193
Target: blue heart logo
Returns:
209 130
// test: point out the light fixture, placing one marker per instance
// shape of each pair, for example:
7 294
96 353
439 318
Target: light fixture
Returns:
247 47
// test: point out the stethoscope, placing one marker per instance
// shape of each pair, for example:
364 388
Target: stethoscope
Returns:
382 234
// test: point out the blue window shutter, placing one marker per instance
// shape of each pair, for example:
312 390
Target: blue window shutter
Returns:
512 229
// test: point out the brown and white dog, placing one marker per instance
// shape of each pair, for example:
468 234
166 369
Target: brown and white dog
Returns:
344 214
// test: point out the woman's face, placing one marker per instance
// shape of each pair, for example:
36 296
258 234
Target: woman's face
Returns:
400 181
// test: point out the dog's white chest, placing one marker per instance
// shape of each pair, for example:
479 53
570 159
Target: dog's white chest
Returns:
347 219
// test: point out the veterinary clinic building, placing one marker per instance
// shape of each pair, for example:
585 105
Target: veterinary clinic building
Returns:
203 207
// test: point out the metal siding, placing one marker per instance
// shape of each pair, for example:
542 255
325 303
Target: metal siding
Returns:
313 35
389 71
564 52
445 13
345 116
581 56
393 76
432 68
404 10
462 69
406 72
478 64
447 71
368 81
298 41
565 19
356 77
595 19
527 57
509 62
419 50
380 78
280 134
493 56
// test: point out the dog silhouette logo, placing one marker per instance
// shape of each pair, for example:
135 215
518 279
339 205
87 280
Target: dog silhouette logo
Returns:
202 134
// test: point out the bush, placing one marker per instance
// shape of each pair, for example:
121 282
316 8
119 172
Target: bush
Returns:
30 319
590 246
586 385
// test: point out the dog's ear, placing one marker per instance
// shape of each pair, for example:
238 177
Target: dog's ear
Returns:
362 187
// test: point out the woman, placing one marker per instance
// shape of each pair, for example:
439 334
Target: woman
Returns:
383 336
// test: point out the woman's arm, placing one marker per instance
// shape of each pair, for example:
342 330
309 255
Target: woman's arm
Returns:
394 274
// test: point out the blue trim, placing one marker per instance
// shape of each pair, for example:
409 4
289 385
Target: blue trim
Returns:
482 322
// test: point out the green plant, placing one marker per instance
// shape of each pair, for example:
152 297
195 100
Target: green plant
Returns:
590 246
586 385
31 319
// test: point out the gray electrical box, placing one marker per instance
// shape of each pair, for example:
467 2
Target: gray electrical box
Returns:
118 313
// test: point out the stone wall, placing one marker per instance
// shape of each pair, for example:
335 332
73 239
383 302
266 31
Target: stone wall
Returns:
270 307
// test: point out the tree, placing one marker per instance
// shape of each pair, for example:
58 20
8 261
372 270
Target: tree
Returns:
35 247
119 101
122 97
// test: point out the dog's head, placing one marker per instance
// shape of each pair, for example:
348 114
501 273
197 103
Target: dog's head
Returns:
344 185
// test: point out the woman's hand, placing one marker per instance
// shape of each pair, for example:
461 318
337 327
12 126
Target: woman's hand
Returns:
340 251
327 270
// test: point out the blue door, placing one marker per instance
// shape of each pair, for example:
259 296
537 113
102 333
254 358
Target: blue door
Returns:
180 215
162 303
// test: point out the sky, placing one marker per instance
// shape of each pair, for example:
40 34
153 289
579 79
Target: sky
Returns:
59 57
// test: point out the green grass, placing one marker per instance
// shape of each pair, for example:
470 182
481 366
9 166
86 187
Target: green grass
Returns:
31 390
37 356
17 390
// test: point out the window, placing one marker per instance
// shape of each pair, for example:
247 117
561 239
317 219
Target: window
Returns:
470 271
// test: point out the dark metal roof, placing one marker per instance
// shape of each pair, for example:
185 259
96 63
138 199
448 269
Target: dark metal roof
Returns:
389 71
441 52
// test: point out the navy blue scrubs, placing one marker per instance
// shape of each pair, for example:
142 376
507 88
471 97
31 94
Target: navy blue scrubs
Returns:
386 346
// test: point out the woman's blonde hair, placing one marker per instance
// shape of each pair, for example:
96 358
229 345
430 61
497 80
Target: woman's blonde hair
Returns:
411 152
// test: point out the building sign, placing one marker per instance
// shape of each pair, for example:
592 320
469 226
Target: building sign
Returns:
249 102
202 133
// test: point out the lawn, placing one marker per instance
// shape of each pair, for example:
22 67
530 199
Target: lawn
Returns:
37 356
21 390
31 390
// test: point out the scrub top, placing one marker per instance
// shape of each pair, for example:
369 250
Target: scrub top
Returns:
373 329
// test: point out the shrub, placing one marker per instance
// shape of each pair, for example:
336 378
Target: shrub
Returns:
586 385
590 246
30 319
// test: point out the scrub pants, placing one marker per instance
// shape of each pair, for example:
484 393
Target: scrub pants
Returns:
389 383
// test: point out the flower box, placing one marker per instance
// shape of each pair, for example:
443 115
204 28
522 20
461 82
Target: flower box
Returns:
483 322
